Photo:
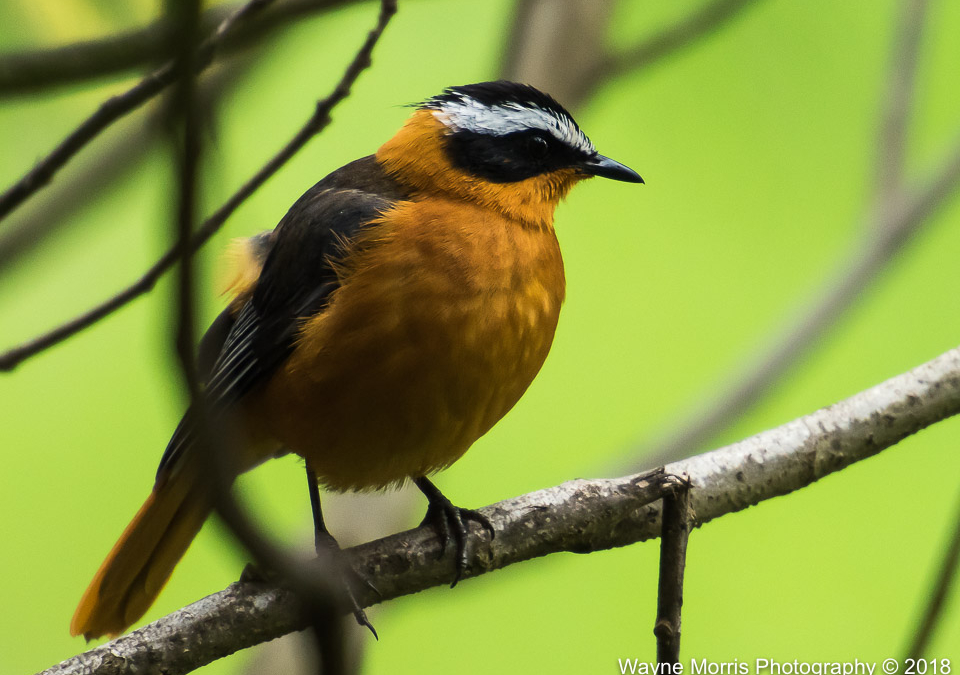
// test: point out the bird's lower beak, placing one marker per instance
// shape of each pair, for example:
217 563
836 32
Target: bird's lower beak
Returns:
598 165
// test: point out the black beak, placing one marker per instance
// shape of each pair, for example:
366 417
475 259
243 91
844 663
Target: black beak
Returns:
598 165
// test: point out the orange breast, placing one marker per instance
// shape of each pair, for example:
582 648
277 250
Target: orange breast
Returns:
445 314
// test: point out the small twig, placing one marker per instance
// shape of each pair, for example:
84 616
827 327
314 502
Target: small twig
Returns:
113 109
939 592
317 122
34 70
579 516
675 531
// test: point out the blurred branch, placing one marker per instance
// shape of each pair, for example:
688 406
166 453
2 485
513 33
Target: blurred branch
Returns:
317 599
898 103
933 612
314 125
896 216
544 31
119 159
116 107
35 70
579 516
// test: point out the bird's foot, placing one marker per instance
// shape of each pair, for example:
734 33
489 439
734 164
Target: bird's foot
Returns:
451 522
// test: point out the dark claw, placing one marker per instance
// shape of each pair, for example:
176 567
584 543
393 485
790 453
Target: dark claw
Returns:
328 548
451 521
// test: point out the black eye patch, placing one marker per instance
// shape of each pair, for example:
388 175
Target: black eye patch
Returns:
511 157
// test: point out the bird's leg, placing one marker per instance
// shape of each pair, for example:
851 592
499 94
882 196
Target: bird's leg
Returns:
328 548
450 520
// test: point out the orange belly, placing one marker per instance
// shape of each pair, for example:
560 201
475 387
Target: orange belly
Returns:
444 316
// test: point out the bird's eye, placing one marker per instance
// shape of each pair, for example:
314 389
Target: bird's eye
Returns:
537 147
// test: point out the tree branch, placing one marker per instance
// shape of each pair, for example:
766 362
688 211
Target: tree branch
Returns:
674 533
317 123
578 516
116 107
35 70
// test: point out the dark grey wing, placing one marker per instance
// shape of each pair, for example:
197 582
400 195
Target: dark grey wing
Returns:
295 283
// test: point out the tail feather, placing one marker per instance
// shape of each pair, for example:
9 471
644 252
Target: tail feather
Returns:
141 562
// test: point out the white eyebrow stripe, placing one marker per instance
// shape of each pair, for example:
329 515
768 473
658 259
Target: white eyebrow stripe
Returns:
466 114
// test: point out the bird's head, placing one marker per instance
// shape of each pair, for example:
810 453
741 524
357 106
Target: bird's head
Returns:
503 145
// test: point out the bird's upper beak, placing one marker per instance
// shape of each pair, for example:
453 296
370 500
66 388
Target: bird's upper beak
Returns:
598 165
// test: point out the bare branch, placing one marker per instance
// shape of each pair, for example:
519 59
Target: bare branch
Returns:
933 612
34 70
674 533
896 216
579 516
113 109
317 123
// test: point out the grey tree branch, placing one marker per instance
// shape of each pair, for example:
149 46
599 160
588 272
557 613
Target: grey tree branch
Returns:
34 70
578 516
896 215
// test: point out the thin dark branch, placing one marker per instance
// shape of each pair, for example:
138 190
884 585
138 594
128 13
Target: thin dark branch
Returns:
317 122
897 215
113 109
674 534
939 592
184 17
119 159
579 516
35 70
315 592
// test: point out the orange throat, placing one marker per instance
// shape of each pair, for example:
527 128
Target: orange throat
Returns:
416 157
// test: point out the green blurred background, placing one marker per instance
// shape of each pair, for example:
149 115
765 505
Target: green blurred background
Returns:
758 147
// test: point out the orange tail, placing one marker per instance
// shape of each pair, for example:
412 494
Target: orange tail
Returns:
140 563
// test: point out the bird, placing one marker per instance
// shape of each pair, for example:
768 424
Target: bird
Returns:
399 310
